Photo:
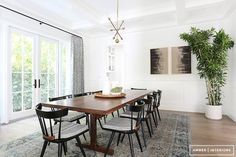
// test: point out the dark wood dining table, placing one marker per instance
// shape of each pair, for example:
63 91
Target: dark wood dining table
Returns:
97 108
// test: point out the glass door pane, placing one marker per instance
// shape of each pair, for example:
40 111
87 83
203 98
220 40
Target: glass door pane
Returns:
22 71
48 69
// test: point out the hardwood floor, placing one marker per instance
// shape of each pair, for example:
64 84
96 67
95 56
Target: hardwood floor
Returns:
18 129
212 132
203 130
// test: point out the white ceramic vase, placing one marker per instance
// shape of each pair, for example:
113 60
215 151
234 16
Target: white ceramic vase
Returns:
106 87
214 112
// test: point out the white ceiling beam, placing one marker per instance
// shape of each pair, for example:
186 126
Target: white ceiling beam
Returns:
90 13
180 11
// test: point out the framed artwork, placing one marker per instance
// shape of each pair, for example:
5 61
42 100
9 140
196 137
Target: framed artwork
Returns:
181 60
159 61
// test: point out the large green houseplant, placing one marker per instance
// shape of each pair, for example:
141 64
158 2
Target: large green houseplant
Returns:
211 50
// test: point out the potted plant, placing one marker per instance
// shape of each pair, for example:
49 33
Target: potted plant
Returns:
211 50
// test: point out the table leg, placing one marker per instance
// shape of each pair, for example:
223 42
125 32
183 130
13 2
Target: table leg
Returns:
93 137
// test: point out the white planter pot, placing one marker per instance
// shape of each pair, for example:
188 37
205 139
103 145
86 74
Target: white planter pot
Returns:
214 112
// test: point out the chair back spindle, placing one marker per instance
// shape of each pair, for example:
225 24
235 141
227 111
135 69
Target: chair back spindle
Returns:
159 92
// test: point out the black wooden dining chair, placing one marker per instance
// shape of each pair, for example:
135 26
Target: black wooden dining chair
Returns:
60 97
72 115
126 126
156 96
81 94
98 91
61 132
159 93
146 116
152 110
133 88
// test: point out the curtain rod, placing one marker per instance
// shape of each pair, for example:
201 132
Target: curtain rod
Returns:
40 21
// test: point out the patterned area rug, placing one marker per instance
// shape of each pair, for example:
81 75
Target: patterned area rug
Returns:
171 139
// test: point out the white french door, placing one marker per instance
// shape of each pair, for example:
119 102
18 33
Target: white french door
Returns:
48 69
22 93
35 71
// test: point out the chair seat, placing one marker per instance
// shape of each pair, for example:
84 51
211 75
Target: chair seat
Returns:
127 114
119 124
69 129
72 116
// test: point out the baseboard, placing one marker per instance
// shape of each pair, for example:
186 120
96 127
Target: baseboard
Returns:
232 118
18 119
181 109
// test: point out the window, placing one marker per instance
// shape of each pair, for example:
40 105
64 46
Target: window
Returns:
40 68
48 71
22 50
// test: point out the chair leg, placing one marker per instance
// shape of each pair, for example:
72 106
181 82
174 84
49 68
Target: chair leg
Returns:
153 117
144 140
104 118
112 114
155 111
131 145
150 120
64 145
122 138
149 130
118 113
78 121
87 119
84 137
80 146
44 148
158 114
59 149
118 140
109 143
100 123
139 142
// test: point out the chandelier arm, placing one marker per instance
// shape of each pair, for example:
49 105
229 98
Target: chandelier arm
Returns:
117 33
119 27
112 23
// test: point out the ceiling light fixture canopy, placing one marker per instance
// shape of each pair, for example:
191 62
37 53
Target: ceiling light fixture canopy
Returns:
117 27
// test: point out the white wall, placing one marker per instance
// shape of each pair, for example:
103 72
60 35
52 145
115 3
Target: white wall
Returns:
180 92
230 106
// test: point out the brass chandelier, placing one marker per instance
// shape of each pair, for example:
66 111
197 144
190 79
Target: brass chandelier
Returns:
116 26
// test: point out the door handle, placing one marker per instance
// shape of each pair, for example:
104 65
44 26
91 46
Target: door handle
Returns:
39 83
35 83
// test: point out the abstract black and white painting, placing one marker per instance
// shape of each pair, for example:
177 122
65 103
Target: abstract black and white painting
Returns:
181 60
159 61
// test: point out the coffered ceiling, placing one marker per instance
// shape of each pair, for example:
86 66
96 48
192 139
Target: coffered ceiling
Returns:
90 16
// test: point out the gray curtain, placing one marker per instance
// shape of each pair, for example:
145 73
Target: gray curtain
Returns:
77 52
